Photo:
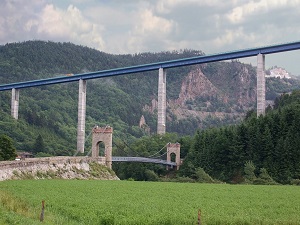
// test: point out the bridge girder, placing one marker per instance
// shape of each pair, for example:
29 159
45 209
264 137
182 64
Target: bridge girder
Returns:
155 66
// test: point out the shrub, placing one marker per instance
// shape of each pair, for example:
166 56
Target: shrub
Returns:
203 177
295 182
265 177
151 175
249 169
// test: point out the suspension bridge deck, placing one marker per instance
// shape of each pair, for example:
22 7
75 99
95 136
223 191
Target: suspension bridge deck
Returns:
142 159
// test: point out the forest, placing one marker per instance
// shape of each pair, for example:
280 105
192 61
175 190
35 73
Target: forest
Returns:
263 150
269 144
221 148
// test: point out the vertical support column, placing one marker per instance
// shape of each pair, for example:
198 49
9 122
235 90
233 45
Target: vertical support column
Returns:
108 150
261 85
161 108
81 116
15 103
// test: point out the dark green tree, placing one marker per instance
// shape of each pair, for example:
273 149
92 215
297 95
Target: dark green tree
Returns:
7 149
249 169
39 145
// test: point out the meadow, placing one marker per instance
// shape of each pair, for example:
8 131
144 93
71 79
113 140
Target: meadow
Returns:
130 202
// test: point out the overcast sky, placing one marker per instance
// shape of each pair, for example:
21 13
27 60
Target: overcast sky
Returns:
134 26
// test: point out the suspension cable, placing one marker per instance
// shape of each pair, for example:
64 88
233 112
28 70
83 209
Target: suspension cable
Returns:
86 139
128 146
152 156
122 149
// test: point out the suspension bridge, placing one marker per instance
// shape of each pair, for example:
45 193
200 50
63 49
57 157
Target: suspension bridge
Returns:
104 135
156 158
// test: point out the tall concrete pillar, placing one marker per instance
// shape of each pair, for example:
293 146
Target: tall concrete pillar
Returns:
81 116
162 105
15 103
261 85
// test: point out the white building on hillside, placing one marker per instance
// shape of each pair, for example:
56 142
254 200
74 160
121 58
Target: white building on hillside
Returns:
279 72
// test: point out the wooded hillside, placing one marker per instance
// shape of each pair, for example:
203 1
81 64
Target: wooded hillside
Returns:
48 114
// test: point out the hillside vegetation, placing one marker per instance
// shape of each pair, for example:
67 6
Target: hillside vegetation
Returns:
51 111
200 99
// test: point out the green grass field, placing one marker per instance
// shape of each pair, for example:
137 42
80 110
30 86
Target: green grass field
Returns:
129 202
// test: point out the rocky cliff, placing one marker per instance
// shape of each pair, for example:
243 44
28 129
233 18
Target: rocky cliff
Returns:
222 91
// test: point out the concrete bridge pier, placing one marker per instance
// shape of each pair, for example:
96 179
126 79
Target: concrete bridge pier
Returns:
261 85
81 116
161 107
15 93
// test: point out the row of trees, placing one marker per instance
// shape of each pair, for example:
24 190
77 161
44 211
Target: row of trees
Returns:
270 142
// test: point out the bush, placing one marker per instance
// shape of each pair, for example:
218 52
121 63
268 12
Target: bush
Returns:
151 175
203 177
249 169
265 177
295 182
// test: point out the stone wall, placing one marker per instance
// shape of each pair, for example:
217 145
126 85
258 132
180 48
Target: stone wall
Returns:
62 167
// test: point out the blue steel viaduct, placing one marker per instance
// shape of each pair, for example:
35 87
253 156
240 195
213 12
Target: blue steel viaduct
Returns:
259 52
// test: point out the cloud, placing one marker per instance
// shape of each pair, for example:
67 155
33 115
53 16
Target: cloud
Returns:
47 22
166 6
13 14
71 25
150 30
240 13
135 26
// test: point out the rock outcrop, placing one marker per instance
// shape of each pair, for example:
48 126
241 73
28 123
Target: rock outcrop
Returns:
196 84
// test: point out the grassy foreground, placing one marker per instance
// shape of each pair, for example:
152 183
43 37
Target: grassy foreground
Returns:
128 202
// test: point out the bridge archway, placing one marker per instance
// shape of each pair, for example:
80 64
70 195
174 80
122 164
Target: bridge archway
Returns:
174 148
100 149
102 135
173 157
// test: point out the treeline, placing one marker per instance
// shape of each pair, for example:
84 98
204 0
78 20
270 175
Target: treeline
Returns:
270 142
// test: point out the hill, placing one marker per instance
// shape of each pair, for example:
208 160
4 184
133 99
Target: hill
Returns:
198 97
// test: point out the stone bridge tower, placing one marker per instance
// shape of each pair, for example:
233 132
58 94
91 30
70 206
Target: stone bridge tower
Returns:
175 149
104 135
